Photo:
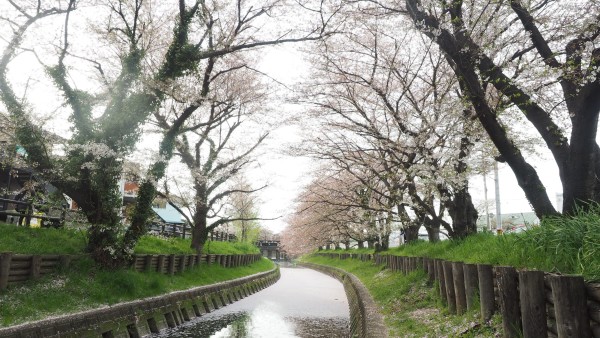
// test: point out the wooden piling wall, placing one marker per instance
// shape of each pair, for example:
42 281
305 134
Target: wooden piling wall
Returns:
531 303
18 268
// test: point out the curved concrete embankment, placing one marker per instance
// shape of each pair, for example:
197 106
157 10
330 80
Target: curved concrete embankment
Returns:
365 319
142 317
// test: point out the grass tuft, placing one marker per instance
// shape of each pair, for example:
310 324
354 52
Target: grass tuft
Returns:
22 240
409 303
565 244
84 287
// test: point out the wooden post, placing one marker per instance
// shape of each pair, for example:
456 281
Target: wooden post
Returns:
182 264
532 297
63 215
65 261
450 295
471 284
171 264
431 269
5 259
570 306
509 301
441 280
148 262
161 263
28 213
459 287
36 265
485 274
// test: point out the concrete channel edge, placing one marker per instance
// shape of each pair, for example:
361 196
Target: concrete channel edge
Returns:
365 319
140 318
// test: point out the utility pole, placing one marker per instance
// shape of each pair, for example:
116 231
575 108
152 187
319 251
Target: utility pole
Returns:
497 188
485 196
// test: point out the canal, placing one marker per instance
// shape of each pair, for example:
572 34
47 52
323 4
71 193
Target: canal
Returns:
303 303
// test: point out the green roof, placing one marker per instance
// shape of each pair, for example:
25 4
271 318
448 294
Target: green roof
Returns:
168 214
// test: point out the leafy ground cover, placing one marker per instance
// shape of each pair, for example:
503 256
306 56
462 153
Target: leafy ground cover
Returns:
25 240
566 244
157 245
85 287
410 304
73 241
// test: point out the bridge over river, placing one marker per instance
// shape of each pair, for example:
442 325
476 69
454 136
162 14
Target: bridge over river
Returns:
303 303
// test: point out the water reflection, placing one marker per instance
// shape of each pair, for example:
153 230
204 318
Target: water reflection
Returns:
304 303
260 323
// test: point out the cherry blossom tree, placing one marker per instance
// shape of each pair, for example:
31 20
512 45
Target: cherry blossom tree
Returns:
398 114
538 59
149 49
242 210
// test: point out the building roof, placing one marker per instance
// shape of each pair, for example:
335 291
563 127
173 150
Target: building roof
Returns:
168 214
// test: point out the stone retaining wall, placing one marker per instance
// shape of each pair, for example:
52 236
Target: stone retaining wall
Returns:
142 317
365 319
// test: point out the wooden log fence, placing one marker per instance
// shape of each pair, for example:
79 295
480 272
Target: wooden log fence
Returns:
171 264
18 268
24 212
531 303
184 231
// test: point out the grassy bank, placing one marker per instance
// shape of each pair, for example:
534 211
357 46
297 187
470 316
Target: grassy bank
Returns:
409 304
44 241
568 245
85 287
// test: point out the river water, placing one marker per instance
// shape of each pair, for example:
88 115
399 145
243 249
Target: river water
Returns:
303 303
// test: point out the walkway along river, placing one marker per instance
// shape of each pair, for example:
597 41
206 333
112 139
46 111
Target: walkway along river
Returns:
303 303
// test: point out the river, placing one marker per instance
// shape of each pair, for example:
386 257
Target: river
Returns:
303 303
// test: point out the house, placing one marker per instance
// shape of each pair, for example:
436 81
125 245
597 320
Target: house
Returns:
168 221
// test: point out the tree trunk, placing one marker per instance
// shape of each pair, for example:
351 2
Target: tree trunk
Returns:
581 181
142 213
361 244
463 214
411 233
385 242
433 232
199 230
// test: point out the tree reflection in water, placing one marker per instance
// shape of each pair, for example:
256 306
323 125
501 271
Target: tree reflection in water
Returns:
303 303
